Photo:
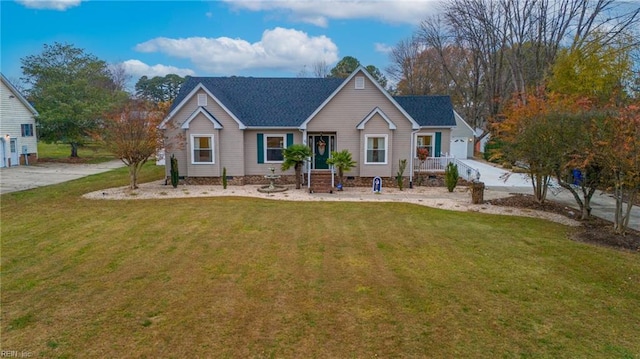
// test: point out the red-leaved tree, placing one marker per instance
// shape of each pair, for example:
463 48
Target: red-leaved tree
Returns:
618 149
132 134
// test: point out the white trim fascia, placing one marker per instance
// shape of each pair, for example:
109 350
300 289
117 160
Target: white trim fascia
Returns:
217 125
427 127
457 116
18 95
279 128
414 124
198 87
360 126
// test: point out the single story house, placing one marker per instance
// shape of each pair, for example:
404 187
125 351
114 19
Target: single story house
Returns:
243 123
18 141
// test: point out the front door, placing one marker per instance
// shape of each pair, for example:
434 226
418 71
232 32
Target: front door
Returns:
14 152
322 146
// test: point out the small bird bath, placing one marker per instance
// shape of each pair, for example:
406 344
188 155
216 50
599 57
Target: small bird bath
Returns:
272 187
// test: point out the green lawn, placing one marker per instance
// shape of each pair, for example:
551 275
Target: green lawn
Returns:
88 153
239 277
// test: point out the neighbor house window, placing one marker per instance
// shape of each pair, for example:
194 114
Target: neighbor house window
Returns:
202 149
359 82
424 146
274 147
27 129
376 150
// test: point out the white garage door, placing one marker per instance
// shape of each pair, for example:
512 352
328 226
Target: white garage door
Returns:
459 147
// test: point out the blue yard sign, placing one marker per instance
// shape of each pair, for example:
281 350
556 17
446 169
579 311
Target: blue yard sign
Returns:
377 185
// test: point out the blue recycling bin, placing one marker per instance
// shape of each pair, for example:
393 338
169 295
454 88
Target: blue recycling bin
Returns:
577 177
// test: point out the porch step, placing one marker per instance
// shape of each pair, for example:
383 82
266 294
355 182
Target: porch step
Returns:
320 182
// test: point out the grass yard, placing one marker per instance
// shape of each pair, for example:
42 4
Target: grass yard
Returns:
239 277
87 153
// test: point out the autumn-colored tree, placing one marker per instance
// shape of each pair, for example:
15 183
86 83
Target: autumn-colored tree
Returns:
540 133
132 134
504 48
618 149
597 70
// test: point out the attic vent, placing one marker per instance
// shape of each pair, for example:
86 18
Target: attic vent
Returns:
359 82
202 99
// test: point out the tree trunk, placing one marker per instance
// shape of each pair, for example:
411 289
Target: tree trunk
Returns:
298 169
133 176
74 150
477 192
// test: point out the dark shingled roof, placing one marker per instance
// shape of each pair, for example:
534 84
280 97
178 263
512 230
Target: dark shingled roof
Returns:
428 110
267 102
287 102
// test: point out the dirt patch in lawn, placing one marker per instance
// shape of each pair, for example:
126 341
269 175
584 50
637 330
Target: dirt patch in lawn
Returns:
595 230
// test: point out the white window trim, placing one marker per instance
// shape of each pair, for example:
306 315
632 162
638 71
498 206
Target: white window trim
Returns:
202 99
213 151
422 134
386 149
266 141
359 83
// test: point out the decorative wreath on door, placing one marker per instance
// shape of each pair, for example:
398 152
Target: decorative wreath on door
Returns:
321 147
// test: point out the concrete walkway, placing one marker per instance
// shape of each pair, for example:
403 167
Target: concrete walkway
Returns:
603 204
20 178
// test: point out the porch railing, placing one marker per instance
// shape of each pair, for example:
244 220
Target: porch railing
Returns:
431 164
439 164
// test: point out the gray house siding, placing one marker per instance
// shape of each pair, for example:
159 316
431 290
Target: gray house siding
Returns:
251 165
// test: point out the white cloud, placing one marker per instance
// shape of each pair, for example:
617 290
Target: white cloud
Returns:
137 68
60 5
383 48
278 49
319 11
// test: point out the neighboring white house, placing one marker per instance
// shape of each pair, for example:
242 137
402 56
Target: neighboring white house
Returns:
461 139
18 141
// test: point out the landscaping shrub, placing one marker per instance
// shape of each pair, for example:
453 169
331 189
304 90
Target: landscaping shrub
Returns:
451 176
224 177
402 165
175 177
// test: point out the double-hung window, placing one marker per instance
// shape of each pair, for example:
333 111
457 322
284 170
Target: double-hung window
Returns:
424 146
202 149
26 129
376 149
274 147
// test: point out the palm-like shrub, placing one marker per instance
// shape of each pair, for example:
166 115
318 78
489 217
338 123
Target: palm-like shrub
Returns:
342 162
295 156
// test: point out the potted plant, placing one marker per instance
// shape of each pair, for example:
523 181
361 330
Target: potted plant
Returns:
342 162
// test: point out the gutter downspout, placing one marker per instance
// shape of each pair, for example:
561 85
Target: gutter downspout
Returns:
411 157
308 164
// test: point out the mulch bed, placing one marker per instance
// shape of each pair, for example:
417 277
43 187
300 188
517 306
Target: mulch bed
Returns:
595 230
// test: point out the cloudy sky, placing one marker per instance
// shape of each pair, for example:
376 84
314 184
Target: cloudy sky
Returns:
211 38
